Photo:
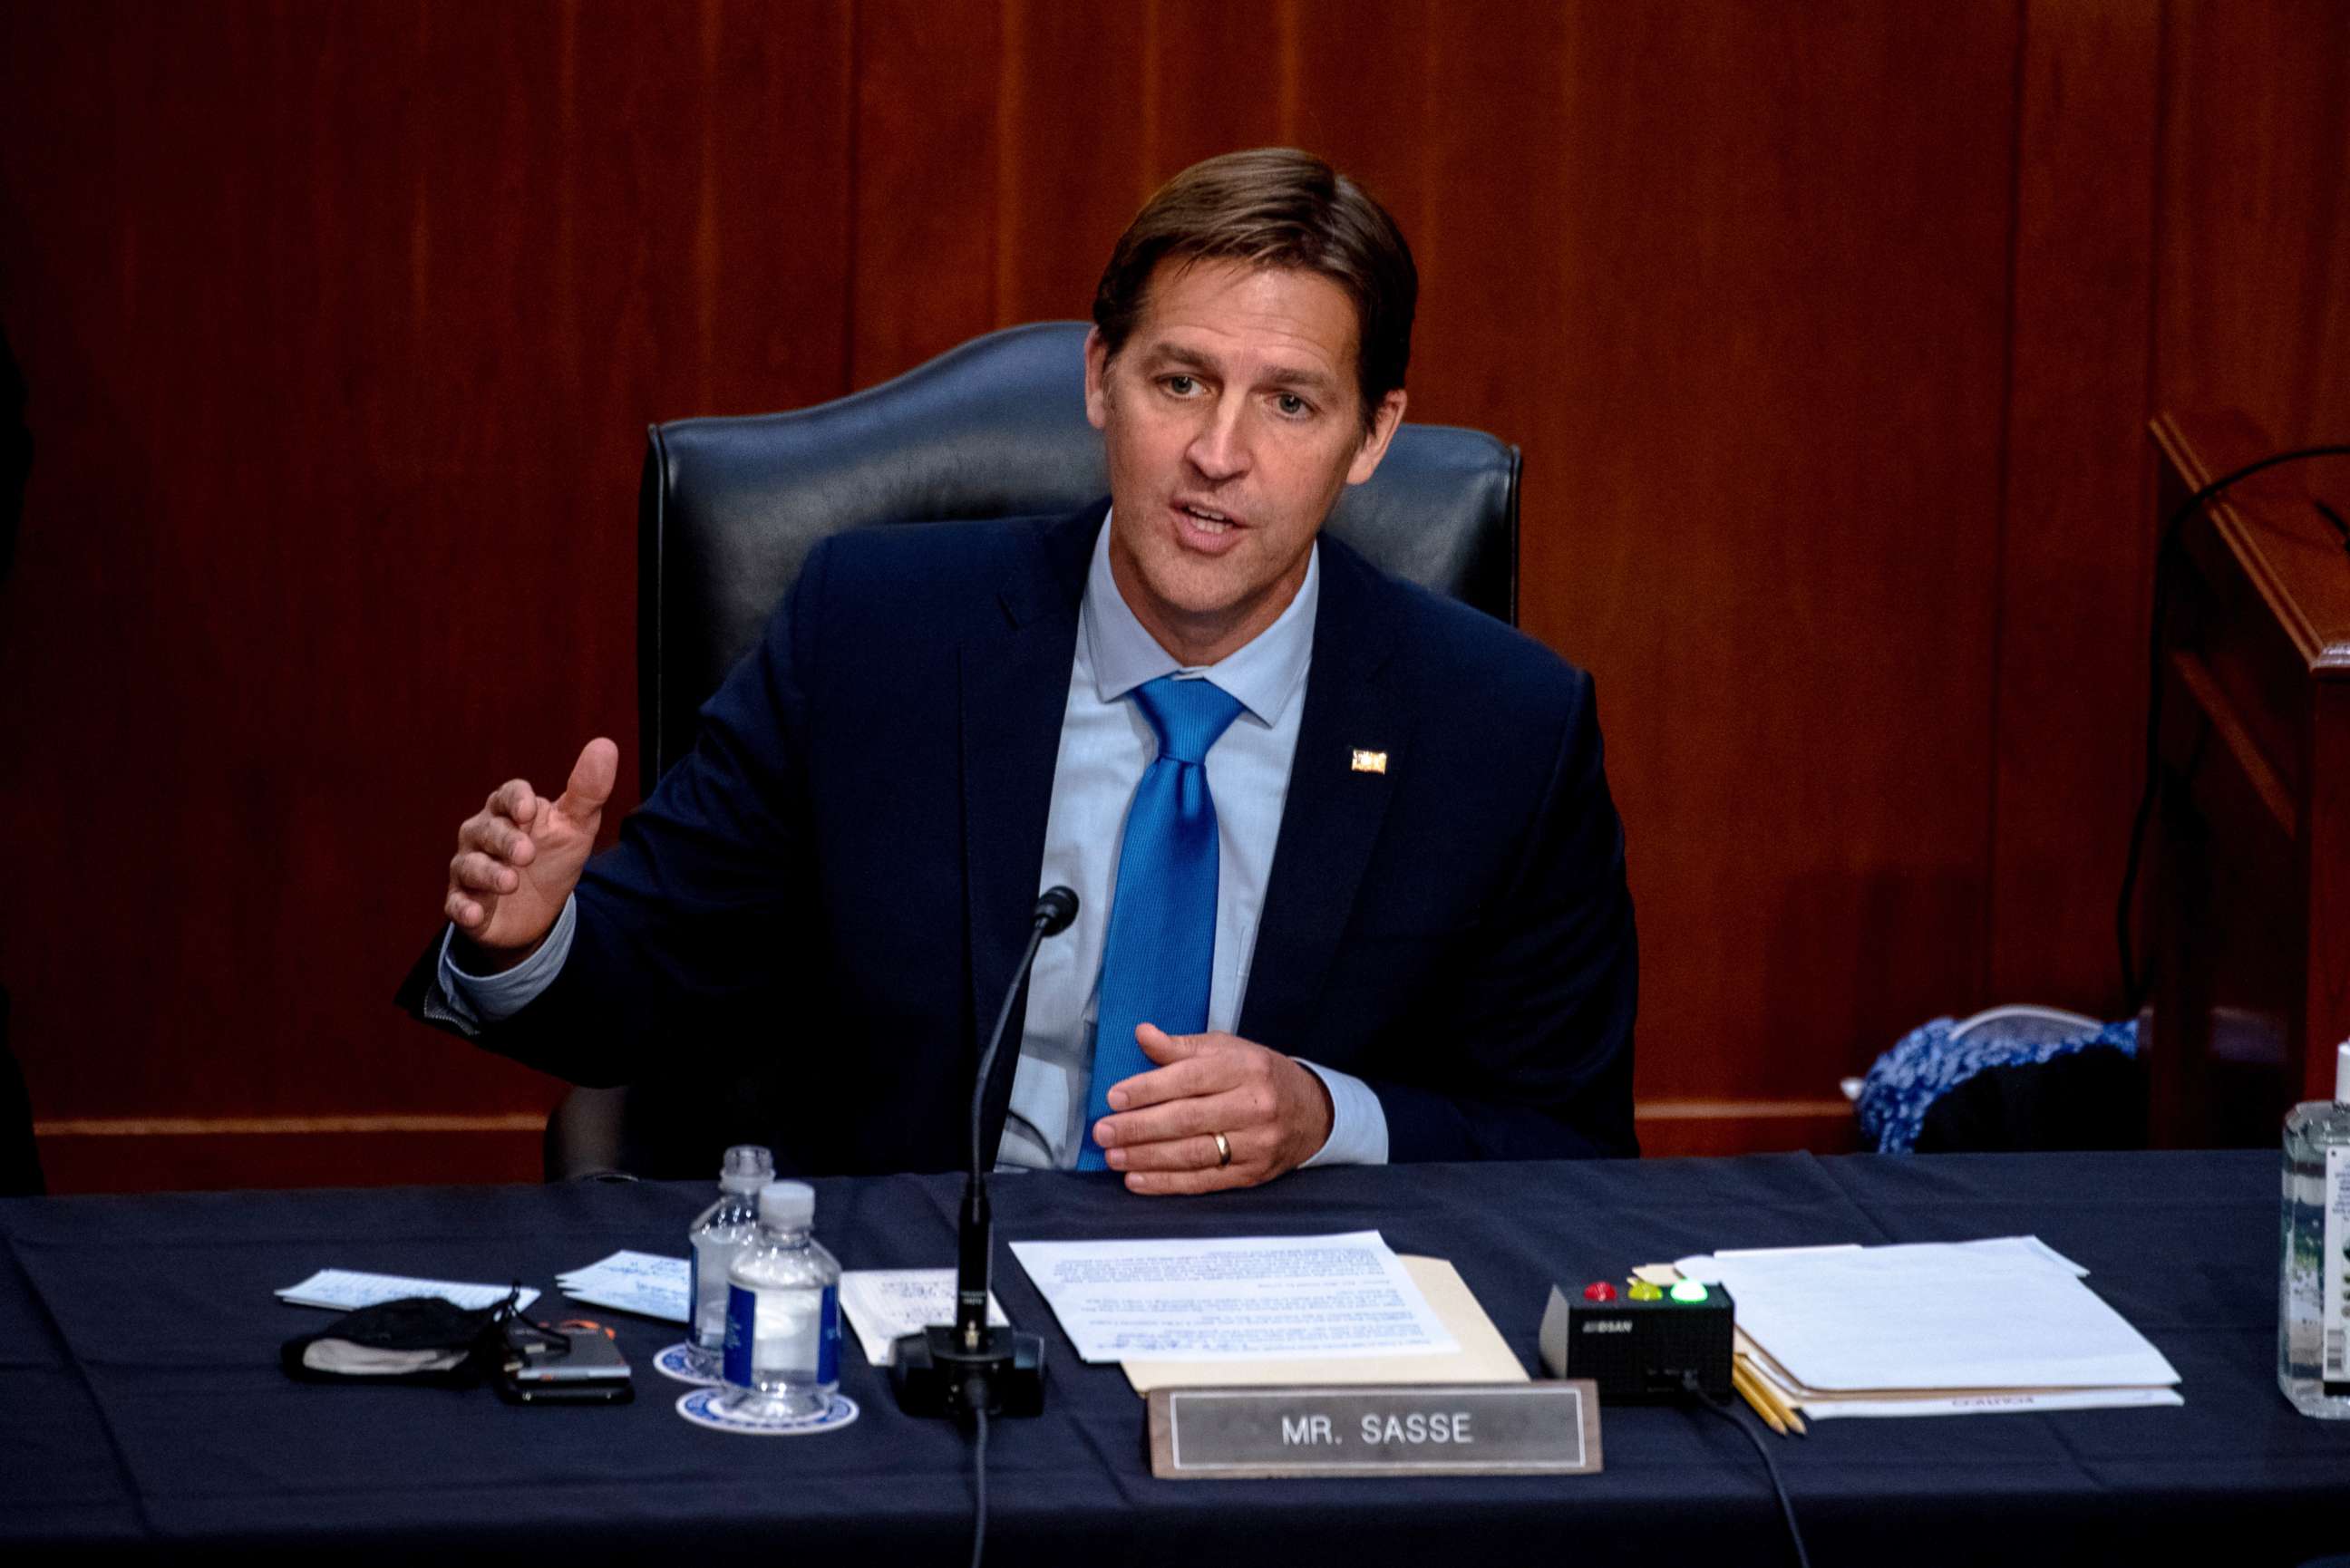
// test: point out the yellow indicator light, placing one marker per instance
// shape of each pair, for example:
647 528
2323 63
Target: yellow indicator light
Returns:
1642 1291
1689 1291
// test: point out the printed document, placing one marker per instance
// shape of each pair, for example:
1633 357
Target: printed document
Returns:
883 1304
643 1283
348 1288
1244 1298
1484 1356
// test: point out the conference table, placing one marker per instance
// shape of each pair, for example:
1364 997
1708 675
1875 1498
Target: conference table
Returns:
143 1412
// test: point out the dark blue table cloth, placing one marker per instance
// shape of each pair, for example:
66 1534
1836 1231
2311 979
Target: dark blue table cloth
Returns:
142 1410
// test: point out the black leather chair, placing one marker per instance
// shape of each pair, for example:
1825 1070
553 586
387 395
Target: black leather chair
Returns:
729 509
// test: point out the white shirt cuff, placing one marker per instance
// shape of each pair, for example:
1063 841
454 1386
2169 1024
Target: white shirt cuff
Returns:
495 998
1359 1127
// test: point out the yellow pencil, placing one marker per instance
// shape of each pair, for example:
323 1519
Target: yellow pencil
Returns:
1751 1392
1771 1395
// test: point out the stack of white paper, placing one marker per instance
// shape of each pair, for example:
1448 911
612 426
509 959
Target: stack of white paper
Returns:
641 1282
1934 1328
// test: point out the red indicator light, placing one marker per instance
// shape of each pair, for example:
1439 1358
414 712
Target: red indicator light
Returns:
1600 1290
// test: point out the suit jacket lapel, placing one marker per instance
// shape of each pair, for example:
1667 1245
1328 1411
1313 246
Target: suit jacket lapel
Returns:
1332 815
1015 680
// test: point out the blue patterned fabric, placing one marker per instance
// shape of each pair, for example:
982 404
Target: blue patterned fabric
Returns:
1159 958
1905 1082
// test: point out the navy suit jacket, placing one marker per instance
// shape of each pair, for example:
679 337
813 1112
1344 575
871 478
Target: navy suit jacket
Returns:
835 883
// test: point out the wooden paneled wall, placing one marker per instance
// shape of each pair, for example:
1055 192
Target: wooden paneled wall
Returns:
1829 332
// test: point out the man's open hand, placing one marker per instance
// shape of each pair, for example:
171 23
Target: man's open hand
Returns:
519 856
1274 1114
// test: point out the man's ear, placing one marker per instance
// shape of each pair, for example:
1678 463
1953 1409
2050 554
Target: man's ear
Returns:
1096 379
1384 420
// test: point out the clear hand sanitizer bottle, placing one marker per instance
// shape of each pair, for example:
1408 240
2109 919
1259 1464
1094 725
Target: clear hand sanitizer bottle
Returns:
2313 1311
710 1245
783 1312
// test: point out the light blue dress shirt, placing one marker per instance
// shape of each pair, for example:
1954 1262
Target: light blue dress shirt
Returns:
1106 744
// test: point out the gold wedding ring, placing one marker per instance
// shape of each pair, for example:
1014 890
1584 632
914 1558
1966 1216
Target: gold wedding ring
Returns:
1224 1150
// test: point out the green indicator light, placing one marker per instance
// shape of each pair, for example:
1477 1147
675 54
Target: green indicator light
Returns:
1689 1291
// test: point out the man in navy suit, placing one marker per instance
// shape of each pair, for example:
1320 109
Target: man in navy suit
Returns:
1415 941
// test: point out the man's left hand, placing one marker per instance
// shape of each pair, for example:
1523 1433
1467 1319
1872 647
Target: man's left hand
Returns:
1274 1113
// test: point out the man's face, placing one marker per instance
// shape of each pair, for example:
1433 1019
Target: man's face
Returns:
1233 419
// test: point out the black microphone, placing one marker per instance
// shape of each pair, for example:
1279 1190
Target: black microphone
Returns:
971 1367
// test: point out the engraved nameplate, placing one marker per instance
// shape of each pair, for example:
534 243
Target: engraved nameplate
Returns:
1408 1430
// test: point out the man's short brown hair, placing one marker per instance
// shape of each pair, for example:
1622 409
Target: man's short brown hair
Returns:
1277 207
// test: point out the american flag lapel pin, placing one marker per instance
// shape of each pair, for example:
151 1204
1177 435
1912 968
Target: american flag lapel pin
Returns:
1370 761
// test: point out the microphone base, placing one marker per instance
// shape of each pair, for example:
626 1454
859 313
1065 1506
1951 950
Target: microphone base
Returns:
934 1373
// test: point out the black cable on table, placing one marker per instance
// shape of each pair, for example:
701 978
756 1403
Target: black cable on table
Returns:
978 1476
1693 1395
1786 1506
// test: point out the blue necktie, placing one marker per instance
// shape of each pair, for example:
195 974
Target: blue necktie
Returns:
1160 960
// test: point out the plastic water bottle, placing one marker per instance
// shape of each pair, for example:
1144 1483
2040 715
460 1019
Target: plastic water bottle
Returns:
2314 1306
710 1245
783 1312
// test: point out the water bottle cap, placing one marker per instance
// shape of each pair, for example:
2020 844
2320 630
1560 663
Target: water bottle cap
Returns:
748 1168
788 1206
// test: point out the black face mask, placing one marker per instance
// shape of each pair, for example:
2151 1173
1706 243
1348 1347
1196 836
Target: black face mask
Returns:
416 1339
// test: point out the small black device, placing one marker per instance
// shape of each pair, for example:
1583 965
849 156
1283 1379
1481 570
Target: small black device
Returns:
570 1363
973 1368
1642 1351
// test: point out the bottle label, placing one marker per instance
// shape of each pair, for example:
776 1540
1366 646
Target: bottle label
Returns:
2334 1299
741 1333
828 1340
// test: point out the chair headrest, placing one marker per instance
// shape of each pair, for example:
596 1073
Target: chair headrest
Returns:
731 507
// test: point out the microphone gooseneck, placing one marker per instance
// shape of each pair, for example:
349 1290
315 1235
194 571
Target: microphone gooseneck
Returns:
969 1369
1056 909
975 1233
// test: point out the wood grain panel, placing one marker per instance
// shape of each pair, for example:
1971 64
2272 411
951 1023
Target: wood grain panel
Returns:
1074 87
1213 83
931 94
1780 254
341 326
1827 330
1364 94
1493 162
202 1156
2253 248
2252 254
2075 557
2246 857
1678 1129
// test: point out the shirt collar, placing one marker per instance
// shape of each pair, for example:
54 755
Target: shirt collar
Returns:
1263 673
